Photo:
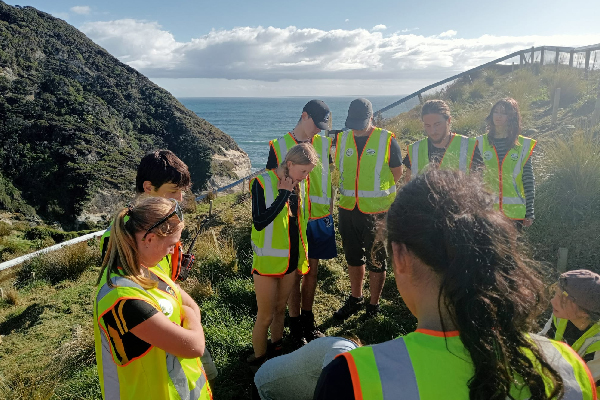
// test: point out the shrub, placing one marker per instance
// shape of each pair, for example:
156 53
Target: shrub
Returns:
570 83
5 228
490 76
455 92
12 297
14 245
470 122
44 232
67 263
478 90
568 201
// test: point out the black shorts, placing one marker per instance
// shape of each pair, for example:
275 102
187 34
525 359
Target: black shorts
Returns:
358 233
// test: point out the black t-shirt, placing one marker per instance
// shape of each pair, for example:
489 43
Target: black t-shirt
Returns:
335 382
435 155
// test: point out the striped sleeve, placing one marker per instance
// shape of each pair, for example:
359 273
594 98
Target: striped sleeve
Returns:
529 187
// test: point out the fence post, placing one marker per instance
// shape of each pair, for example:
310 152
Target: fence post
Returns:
521 59
571 54
542 57
420 99
512 67
556 60
587 62
532 55
596 113
561 264
210 208
555 106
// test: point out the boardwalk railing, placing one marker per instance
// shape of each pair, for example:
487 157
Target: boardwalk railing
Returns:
578 57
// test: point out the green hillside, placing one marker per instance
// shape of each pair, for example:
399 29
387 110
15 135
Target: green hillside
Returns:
76 121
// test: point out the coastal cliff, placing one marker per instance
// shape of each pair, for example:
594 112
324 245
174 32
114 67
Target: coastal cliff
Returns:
75 121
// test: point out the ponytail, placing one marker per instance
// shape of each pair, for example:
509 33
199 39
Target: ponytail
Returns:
492 292
122 257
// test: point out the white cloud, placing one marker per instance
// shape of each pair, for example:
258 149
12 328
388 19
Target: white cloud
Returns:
448 34
379 27
409 30
346 20
82 10
273 54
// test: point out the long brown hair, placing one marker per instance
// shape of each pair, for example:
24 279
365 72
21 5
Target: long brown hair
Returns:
492 290
122 256
513 121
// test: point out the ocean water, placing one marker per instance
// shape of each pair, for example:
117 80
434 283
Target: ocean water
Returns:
252 122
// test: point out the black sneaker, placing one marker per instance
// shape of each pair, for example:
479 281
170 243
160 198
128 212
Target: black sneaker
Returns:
255 362
311 332
371 310
350 307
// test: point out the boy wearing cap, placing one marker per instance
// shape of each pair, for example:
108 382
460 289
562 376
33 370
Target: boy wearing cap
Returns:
320 232
370 163
576 316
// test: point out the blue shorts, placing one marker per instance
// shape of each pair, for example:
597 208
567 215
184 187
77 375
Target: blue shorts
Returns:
321 238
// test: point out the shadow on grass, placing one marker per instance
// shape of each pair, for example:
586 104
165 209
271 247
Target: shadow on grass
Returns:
23 320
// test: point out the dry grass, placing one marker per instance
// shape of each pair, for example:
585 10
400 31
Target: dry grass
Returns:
12 297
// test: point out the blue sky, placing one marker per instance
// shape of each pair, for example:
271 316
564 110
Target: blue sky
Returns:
277 48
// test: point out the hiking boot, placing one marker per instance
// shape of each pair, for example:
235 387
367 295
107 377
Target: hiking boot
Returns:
371 310
297 332
255 362
350 307
275 349
311 332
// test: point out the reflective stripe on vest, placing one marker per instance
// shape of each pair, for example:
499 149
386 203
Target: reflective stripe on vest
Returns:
458 155
179 379
319 180
364 179
508 192
271 245
384 370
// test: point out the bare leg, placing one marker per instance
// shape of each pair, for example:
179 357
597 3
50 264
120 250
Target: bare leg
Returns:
294 300
376 281
283 293
357 275
309 285
266 297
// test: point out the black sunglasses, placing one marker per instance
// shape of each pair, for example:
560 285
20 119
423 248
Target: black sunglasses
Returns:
176 211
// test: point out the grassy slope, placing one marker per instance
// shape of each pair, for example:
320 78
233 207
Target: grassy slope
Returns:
47 342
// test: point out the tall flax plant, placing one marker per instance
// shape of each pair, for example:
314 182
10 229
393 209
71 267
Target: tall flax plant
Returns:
523 86
572 190
567 202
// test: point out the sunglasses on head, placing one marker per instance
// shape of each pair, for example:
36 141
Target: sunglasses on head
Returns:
176 211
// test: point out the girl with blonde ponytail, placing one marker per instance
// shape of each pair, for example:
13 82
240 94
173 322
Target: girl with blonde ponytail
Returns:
147 330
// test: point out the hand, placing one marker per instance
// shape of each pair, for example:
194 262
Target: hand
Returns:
286 183
527 222
188 317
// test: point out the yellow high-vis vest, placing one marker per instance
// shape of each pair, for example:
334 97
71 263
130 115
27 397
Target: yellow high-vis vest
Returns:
319 179
366 180
155 374
458 155
271 245
505 178
423 366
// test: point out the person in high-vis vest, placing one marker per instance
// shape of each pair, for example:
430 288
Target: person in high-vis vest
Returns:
507 171
162 174
369 161
279 244
475 297
147 330
441 148
576 316
320 231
